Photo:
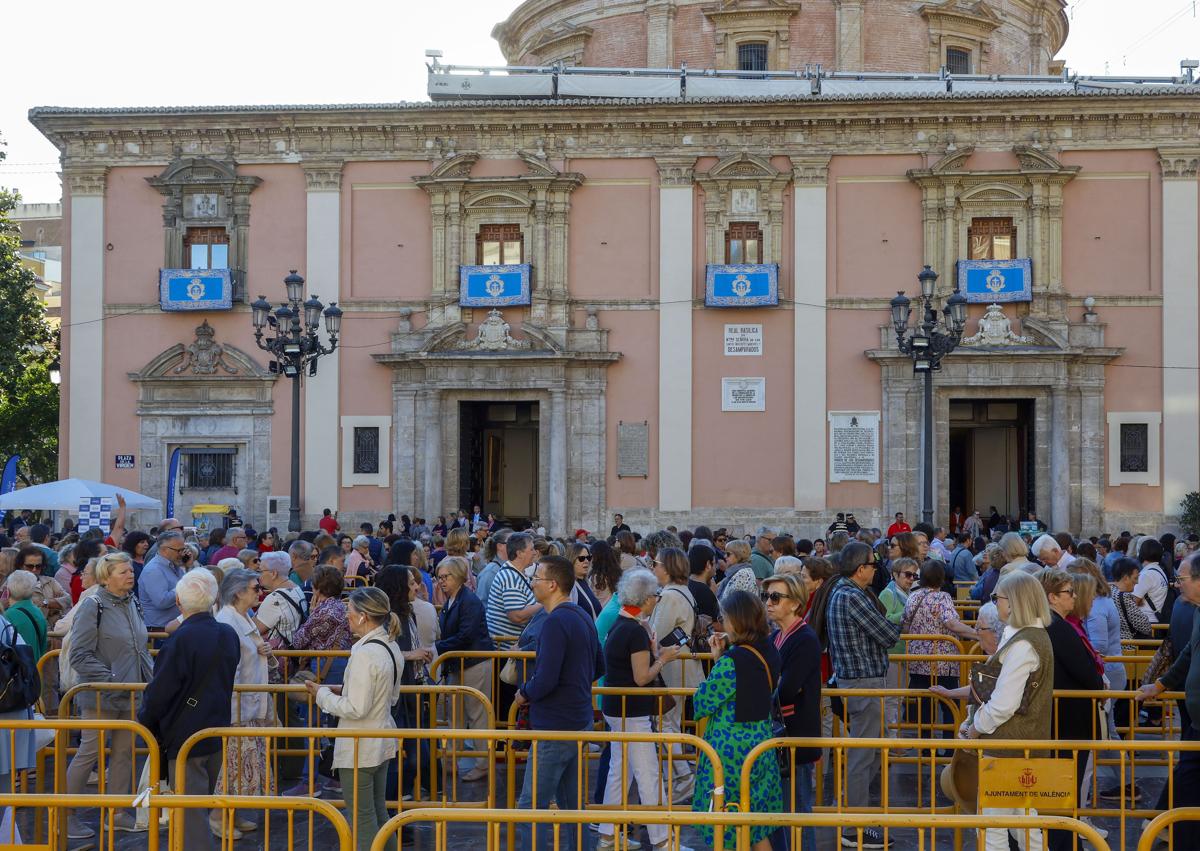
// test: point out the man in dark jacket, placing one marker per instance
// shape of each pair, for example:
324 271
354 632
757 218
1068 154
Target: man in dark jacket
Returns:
569 659
191 690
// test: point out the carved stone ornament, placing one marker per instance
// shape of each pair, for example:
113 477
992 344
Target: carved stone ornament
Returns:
205 355
493 336
995 329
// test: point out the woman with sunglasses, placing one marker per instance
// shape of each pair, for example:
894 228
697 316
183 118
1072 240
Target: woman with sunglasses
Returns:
581 559
799 693
1077 667
894 597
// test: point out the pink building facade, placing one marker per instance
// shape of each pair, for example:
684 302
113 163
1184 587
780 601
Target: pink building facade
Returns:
619 387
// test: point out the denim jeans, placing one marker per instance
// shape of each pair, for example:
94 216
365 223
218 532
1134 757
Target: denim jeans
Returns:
803 795
558 781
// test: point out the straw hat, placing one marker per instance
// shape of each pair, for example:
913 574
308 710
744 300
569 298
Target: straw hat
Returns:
960 780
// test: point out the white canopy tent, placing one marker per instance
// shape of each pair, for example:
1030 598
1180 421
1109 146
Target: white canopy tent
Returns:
65 495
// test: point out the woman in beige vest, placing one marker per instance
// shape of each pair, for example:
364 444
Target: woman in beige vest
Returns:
1026 676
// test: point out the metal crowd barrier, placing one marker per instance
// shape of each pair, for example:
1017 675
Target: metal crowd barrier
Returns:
739 823
1166 821
56 805
926 776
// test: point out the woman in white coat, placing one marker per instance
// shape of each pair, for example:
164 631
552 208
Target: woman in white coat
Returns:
371 686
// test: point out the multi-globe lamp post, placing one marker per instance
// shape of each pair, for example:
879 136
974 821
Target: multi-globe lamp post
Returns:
289 334
926 343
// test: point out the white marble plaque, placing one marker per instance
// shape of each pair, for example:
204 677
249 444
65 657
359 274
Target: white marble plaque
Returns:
743 340
204 205
633 450
743 394
854 446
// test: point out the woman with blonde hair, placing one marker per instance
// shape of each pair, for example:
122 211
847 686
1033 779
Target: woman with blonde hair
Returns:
1021 704
364 701
676 609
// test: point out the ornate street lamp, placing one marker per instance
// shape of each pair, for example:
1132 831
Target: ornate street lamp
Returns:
926 343
289 333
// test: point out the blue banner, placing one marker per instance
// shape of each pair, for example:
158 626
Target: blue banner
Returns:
493 286
742 286
195 289
995 281
172 475
8 480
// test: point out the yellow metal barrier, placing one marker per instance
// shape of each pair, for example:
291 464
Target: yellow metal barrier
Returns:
54 804
1164 822
740 822
930 766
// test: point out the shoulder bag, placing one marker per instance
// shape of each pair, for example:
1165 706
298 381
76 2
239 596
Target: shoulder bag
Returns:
778 728
984 676
510 673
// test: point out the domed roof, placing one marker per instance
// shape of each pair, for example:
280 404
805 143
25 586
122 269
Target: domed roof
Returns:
967 36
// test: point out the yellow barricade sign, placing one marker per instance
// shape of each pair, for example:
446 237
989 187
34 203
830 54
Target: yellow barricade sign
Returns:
1016 782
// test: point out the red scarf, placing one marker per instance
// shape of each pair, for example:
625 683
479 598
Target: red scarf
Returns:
1077 625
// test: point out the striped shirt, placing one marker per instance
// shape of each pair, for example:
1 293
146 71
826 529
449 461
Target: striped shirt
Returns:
510 591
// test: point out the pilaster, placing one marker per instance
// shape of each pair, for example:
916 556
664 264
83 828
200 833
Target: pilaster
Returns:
850 53
1181 303
323 183
559 413
83 341
675 294
810 181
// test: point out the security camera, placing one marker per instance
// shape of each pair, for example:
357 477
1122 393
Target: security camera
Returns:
433 54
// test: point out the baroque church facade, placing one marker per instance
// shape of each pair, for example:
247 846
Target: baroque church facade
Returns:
648 269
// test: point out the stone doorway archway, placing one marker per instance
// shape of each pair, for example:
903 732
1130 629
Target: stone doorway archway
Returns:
1061 372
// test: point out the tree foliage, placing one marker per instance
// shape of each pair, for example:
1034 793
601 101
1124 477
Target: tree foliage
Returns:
28 399
1189 512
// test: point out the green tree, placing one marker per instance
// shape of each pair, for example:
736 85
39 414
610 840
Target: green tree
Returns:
28 399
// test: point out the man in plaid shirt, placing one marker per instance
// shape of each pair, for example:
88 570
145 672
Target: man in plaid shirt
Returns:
859 637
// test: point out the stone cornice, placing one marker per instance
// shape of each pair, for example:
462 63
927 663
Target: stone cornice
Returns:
676 171
624 130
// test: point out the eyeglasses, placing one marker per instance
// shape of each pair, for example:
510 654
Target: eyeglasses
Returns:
996 597
584 557
255 560
909 575
775 597
1067 590
443 576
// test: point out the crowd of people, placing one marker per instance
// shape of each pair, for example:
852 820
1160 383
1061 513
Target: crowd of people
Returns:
777 620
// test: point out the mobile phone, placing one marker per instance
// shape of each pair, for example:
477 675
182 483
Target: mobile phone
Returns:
674 638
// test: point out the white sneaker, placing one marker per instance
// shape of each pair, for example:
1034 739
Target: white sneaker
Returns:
1162 834
1103 833
609 843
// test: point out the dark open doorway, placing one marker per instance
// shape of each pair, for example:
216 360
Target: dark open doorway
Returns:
498 458
990 455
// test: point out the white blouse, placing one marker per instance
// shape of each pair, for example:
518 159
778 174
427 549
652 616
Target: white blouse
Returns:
371 687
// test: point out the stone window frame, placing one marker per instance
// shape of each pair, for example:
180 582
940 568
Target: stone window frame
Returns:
955 26
735 26
1153 422
382 479
187 176
718 183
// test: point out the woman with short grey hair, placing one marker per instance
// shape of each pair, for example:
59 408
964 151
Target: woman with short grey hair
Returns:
360 557
630 653
29 620
250 559
245 769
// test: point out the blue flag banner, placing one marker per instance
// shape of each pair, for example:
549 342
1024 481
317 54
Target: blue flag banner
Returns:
995 281
742 286
195 289
493 286
8 479
172 475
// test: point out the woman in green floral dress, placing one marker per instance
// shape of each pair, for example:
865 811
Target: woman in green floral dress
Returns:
736 700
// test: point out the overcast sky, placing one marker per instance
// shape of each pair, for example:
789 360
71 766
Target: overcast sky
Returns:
144 53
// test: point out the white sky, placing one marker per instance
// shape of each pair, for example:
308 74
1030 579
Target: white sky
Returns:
150 53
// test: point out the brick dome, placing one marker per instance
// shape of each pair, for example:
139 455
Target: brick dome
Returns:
967 36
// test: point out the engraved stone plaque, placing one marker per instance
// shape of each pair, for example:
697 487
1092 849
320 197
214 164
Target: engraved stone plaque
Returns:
633 449
743 201
854 446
